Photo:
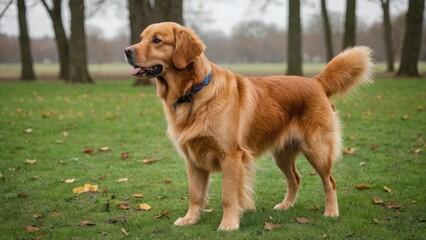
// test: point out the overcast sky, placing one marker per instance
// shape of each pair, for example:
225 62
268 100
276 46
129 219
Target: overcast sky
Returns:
223 14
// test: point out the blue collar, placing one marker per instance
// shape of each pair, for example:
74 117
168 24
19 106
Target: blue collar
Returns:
187 97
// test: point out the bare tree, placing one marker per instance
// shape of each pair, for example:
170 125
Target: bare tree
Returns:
78 56
294 46
387 35
327 31
350 25
27 71
412 39
55 14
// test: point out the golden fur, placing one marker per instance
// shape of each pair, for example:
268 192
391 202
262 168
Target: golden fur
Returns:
234 119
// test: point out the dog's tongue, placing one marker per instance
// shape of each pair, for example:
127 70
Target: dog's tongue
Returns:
135 70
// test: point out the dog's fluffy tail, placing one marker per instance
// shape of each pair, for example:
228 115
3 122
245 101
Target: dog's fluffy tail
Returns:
346 70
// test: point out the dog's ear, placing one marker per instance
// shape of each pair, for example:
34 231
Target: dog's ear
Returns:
188 47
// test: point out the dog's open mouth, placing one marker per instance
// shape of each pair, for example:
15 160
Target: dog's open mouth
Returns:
151 71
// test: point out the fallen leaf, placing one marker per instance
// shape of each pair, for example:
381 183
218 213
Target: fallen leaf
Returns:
138 195
123 205
33 178
420 108
122 180
104 149
149 160
144 207
59 141
124 231
208 210
374 147
302 220
362 164
71 180
405 117
86 188
65 134
167 180
268 226
78 190
165 213
30 161
31 229
349 151
387 189
89 151
86 224
392 205
125 155
28 130
376 220
377 201
362 187
37 216
417 151
22 195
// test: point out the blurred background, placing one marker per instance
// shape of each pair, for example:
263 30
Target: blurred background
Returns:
245 35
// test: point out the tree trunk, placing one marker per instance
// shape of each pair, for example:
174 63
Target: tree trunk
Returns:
78 56
169 10
27 71
61 39
294 51
387 35
412 39
327 31
350 24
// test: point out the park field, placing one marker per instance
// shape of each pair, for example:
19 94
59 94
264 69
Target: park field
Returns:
55 138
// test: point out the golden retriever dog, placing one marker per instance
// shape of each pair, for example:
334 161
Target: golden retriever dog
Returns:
221 121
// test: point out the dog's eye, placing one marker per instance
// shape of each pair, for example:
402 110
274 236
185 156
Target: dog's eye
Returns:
156 40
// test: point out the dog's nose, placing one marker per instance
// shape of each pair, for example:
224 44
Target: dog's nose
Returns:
129 51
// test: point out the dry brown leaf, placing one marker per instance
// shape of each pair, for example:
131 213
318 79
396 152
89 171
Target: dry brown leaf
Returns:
167 180
59 141
30 161
362 187
420 108
144 207
387 189
86 224
37 216
377 201
86 188
149 160
124 231
165 213
89 151
417 151
268 226
405 117
302 220
208 210
65 134
125 155
70 180
138 195
28 130
123 180
22 195
78 190
392 205
31 229
349 151
123 205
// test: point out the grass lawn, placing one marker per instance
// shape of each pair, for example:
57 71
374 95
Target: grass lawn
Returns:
384 128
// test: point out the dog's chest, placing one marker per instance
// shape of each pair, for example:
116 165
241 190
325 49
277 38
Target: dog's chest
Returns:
204 152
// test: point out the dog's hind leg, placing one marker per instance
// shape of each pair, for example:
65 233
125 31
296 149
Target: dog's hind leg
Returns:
198 192
285 161
320 151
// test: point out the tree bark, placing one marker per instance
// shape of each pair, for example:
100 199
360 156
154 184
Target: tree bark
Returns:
294 51
78 56
412 39
27 71
350 25
61 38
327 31
387 35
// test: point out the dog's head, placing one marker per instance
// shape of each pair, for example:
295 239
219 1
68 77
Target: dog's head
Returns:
163 46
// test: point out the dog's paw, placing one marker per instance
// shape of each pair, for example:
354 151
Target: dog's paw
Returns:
334 213
185 221
228 226
283 206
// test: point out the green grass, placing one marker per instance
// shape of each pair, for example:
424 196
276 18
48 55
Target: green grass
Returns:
128 119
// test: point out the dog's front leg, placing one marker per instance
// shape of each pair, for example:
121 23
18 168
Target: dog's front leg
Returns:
198 192
232 172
